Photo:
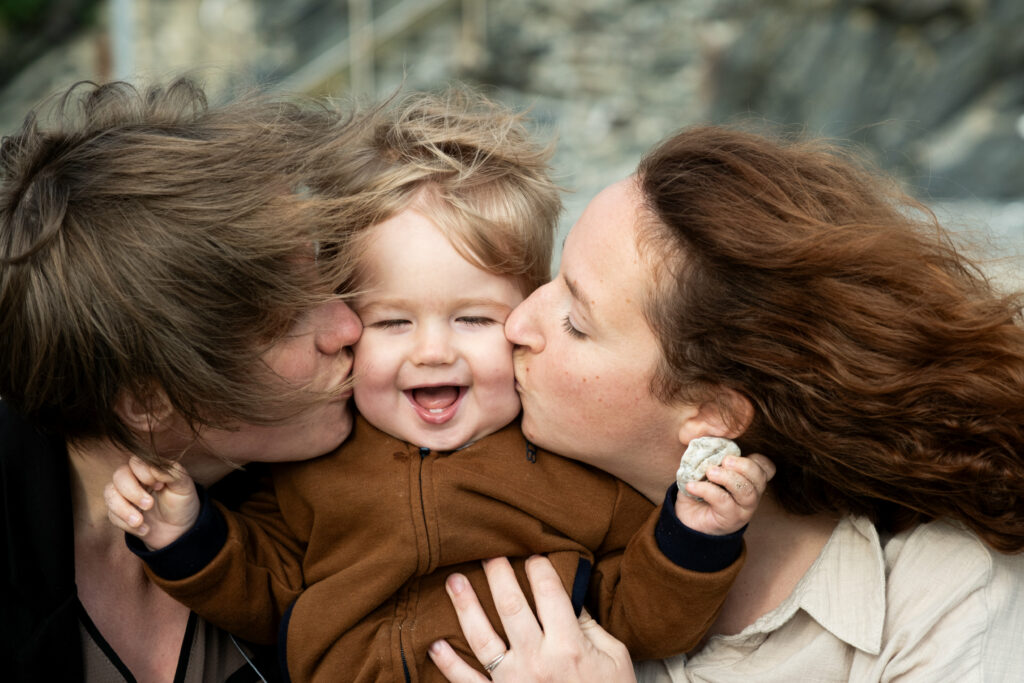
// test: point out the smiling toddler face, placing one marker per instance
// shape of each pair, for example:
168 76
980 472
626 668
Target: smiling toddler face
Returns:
433 366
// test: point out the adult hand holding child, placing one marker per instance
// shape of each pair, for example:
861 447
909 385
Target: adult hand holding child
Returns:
552 646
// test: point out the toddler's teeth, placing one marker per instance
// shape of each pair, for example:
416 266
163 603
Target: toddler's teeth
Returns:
436 411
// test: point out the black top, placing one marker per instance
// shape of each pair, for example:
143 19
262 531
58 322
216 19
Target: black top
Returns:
40 614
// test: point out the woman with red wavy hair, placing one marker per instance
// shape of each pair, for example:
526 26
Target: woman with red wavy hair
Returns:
820 316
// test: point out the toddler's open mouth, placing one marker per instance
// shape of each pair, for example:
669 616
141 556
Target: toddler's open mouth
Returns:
436 404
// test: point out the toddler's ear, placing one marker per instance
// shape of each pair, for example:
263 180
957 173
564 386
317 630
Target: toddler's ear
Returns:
727 414
144 415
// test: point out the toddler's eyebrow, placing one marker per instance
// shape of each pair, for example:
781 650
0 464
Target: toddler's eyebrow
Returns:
466 302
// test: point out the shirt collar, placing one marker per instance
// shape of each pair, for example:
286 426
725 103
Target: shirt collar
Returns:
844 590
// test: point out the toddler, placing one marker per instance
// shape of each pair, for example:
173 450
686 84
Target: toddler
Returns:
343 559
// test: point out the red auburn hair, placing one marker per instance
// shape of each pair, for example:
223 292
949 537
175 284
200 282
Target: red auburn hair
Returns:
887 375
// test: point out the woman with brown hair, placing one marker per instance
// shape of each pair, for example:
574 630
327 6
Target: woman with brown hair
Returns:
821 317
159 296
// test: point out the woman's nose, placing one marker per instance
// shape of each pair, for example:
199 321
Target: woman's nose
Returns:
338 327
521 325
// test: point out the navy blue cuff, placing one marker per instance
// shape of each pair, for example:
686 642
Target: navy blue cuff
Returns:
581 584
193 551
692 549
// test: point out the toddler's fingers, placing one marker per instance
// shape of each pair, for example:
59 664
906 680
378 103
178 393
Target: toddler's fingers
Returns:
133 489
123 514
140 530
745 474
147 475
175 478
712 493
734 484
766 465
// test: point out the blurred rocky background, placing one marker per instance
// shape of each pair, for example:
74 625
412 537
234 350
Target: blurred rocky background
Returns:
933 90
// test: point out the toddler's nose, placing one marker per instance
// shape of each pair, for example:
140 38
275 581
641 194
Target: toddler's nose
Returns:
434 346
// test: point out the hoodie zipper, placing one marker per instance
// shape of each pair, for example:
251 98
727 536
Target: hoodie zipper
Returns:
423 452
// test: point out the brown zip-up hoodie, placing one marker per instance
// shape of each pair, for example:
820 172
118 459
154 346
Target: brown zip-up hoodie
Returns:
348 554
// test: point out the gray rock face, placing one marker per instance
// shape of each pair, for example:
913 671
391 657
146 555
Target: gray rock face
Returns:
935 87
932 89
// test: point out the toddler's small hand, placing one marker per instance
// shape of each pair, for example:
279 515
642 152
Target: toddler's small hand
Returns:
156 505
730 495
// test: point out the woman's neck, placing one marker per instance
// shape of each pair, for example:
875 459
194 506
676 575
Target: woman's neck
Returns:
92 467
781 547
141 623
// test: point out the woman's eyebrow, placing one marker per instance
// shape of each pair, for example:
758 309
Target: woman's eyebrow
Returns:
577 293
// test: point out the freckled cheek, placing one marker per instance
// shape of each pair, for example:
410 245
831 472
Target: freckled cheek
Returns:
582 380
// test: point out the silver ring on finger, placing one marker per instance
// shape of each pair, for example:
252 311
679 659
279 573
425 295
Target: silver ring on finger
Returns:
493 664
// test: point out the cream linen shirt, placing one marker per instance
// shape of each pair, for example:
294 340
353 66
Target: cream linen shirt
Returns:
933 604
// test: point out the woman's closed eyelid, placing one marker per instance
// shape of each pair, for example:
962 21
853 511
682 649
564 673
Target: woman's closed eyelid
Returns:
571 329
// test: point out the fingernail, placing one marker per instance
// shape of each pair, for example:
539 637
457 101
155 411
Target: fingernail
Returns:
456 583
143 530
716 470
134 519
435 647
146 501
728 461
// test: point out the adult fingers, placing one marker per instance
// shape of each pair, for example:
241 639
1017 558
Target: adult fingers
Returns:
451 664
520 623
554 608
483 641
605 642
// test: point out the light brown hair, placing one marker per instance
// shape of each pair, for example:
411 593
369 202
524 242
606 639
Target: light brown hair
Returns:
468 164
886 374
150 243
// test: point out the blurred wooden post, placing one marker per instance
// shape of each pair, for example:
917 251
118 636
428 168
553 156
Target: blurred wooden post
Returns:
473 38
122 41
360 30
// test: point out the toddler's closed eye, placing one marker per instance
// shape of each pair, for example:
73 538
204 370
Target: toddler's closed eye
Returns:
476 320
388 324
